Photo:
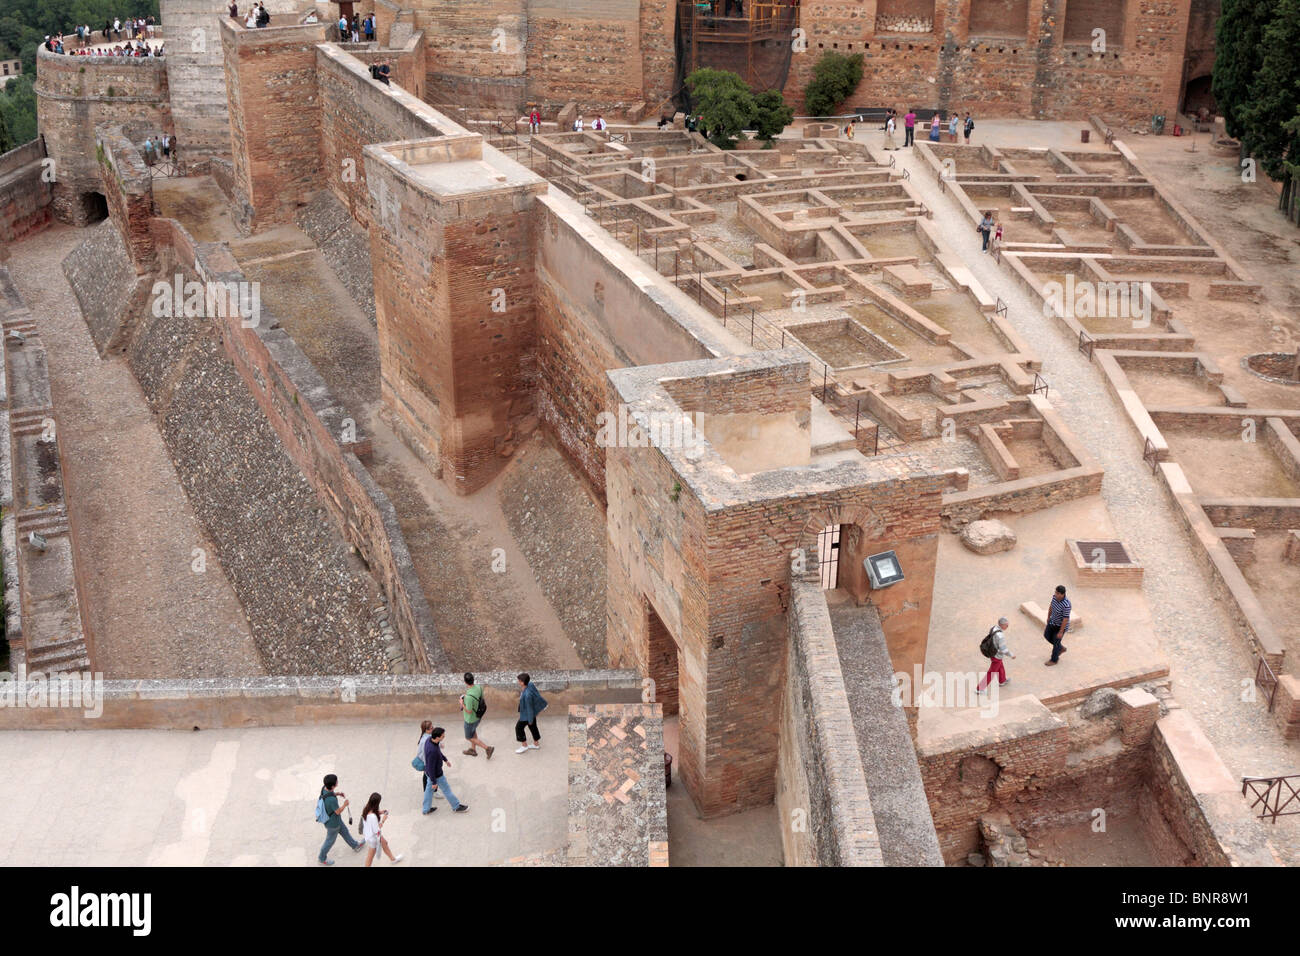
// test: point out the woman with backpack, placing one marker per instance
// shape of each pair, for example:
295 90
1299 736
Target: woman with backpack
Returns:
531 705
371 829
473 707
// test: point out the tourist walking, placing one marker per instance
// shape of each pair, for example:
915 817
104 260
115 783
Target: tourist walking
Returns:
997 638
329 812
531 705
985 228
473 707
934 128
997 236
434 762
952 127
909 127
969 127
890 126
372 826
426 731
1058 622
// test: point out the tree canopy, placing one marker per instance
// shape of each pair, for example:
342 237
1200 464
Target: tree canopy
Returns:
835 77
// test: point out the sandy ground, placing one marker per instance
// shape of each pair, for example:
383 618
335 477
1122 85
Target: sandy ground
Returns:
151 615
1209 664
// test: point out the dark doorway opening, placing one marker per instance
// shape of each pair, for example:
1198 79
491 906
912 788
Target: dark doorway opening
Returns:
1197 94
94 207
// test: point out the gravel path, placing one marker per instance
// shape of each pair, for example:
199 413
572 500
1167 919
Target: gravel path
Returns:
1209 663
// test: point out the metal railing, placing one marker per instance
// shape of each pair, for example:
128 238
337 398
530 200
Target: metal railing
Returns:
1086 344
1266 680
1273 795
1150 454
1000 308
1040 385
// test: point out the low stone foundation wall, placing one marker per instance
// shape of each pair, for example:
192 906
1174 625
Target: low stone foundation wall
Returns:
210 703
109 291
345 246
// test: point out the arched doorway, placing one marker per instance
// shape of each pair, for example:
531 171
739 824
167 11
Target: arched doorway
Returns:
1198 93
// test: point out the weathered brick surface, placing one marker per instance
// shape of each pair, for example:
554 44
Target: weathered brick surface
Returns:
25 192
128 187
1000 58
74 95
274 119
618 807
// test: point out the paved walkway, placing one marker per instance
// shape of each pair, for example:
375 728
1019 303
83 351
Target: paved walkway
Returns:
151 615
1210 665
247 797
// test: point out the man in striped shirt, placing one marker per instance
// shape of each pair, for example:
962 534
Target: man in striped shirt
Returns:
1058 622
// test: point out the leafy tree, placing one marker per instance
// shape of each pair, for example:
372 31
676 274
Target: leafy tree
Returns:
1274 100
723 101
1237 56
17 112
771 115
835 77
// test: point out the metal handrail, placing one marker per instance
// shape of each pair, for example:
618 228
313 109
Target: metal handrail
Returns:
1040 385
1087 344
1150 455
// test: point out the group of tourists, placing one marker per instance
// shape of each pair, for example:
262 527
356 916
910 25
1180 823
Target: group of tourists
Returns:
81 41
937 124
995 648
432 762
357 29
258 16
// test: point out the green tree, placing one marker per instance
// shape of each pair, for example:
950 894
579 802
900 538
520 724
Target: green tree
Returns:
1238 53
724 103
18 111
771 115
835 77
1274 101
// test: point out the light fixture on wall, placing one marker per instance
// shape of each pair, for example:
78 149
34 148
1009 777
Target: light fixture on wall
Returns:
883 569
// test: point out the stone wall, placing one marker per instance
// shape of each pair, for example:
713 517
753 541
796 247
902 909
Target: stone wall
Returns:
1200 800
597 310
345 246
1006 58
112 295
25 191
127 186
821 790
274 112
43 622
308 701
355 111
309 424
196 79
587 51
76 94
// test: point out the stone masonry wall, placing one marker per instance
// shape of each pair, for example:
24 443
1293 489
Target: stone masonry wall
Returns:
25 192
196 78
309 424
1010 63
821 790
74 95
274 119
109 290
355 111
128 189
594 314
588 51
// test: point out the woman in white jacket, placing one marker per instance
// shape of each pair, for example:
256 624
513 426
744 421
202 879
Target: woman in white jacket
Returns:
371 827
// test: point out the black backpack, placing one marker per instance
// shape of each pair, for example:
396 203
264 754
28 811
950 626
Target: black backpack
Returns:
988 646
481 707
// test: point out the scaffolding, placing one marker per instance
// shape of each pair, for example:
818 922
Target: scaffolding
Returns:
752 39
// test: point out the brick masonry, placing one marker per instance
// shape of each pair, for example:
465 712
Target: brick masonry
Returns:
25 192
618 809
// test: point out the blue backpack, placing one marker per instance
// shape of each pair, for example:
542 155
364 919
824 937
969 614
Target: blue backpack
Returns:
322 815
